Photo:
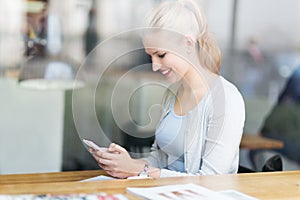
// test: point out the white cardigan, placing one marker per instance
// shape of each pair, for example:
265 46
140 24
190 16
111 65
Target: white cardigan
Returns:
213 135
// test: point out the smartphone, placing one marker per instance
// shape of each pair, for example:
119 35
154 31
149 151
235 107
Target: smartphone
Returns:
94 146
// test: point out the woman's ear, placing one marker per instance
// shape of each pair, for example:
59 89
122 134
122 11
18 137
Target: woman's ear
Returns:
189 43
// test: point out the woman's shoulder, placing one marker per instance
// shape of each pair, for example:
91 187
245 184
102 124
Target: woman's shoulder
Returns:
227 93
222 85
228 86
230 90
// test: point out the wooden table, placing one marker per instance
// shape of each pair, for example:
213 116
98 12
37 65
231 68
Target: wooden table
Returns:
268 185
259 142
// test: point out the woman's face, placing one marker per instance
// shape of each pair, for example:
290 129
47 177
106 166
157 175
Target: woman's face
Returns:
168 53
169 65
172 66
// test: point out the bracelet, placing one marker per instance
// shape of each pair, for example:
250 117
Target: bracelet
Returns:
144 173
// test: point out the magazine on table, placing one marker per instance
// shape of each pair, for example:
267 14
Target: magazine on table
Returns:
186 191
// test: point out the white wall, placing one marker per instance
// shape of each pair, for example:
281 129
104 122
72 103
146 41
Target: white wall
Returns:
11 20
31 127
275 25
219 18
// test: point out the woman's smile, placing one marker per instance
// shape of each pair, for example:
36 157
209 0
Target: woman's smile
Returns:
166 72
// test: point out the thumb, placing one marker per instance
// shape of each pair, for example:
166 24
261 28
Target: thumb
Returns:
116 148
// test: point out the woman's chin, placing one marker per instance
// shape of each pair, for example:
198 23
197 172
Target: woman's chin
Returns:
172 80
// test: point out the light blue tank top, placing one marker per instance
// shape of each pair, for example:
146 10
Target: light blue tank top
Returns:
170 139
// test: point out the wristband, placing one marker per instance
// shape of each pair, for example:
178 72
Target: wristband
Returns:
144 173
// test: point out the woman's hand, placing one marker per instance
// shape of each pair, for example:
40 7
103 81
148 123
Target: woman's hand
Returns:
117 162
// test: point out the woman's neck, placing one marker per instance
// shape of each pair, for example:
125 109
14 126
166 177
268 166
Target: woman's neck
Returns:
197 81
194 86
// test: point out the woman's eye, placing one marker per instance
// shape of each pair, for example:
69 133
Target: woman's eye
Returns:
161 55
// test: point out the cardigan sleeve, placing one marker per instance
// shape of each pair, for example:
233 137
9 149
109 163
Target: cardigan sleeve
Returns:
157 157
225 128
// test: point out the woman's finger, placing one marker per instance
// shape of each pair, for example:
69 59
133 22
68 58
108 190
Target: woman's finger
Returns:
109 173
107 170
106 155
95 156
104 167
104 161
91 150
115 148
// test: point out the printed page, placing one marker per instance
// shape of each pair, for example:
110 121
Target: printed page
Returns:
178 192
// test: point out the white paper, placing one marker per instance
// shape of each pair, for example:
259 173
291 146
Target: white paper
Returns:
178 192
98 178
237 195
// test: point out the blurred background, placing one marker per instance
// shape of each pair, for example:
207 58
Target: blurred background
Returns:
44 43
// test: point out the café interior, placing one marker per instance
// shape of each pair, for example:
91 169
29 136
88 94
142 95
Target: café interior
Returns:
73 69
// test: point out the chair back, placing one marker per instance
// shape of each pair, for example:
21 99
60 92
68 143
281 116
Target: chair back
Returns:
273 164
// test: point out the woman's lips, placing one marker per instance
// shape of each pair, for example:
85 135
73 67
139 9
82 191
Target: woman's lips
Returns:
166 72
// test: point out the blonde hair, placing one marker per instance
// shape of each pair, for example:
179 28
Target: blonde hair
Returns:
186 17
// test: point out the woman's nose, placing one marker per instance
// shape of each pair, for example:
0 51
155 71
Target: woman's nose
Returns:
156 66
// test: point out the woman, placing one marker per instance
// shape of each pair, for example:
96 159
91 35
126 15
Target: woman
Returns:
203 117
